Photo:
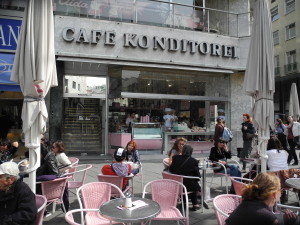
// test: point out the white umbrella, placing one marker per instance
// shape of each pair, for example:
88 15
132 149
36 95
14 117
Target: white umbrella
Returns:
294 109
35 70
259 78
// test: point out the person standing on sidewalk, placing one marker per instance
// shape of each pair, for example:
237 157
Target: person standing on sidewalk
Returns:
248 134
293 137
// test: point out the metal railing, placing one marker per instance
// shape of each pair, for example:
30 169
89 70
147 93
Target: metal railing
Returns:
290 68
159 13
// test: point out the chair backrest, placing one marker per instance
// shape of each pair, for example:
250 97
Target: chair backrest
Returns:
165 191
79 169
239 183
224 205
95 194
74 162
116 180
69 215
40 202
53 190
166 162
167 175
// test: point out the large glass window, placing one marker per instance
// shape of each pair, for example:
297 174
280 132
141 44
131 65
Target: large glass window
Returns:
159 81
290 31
289 6
291 65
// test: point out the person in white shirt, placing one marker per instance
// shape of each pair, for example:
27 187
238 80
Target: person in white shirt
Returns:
168 118
63 161
277 156
130 119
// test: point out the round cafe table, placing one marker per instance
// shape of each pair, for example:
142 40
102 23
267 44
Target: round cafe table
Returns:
293 182
111 211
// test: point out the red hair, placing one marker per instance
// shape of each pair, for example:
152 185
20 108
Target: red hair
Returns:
133 143
248 117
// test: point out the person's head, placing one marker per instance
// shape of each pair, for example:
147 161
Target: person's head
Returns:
221 112
9 173
265 187
58 147
279 121
220 120
274 143
187 150
220 143
120 155
247 118
290 119
132 115
5 144
131 146
178 144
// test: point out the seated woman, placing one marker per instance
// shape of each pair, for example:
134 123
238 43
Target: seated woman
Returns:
277 157
177 148
220 153
63 161
132 155
186 165
8 150
118 168
258 200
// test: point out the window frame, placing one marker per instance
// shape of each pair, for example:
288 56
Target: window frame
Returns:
276 16
291 7
276 32
288 29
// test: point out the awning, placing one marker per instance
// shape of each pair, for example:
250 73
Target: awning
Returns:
6 64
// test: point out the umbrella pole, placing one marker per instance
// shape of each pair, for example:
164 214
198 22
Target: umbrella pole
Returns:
262 144
35 163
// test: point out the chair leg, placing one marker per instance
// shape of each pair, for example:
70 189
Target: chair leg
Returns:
53 207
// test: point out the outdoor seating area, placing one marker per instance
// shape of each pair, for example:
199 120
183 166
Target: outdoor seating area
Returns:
97 190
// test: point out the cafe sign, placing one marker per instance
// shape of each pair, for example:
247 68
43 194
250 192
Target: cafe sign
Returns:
142 41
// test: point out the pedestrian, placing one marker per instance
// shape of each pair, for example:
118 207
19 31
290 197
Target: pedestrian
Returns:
248 134
219 129
279 130
293 135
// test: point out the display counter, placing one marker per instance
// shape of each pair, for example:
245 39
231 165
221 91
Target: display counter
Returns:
200 141
147 135
119 139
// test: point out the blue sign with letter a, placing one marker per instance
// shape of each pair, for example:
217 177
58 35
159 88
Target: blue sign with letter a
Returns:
9 34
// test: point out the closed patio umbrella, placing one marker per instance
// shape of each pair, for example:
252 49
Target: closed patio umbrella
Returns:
294 109
35 70
259 79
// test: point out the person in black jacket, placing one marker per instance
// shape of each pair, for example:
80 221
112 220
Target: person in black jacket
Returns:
8 150
17 201
186 165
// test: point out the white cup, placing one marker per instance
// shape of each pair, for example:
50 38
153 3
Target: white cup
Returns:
128 202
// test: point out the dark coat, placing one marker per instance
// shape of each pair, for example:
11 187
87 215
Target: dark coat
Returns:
8 154
48 166
216 155
17 206
190 168
250 129
135 157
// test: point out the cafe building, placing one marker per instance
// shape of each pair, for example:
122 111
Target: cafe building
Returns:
123 65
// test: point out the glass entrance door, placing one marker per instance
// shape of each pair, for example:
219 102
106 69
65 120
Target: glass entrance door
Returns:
84 120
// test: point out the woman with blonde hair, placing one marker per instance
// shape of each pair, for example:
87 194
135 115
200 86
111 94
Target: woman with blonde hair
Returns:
258 200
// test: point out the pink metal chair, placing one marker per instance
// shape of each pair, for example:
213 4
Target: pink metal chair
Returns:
69 215
166 192
79 170
40 202
53 191
238 184
74 162
224 205
223 174
116 180
93 195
